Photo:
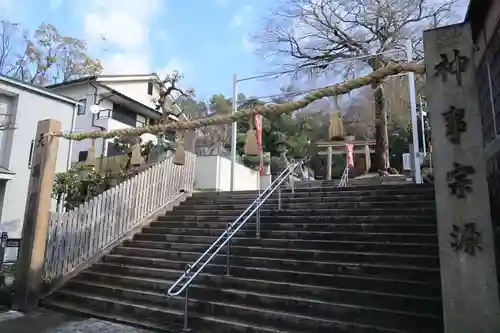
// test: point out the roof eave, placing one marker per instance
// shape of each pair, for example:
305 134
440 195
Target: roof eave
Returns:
38 90
476 13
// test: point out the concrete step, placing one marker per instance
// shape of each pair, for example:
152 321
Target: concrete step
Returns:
160 318
167 235
251 244
380 180
429 211
334 197
216 302
82 309
295 243
306 226
239 253
407 272
221 283
359 190
309 205
139 304
286 217
409 287
315 184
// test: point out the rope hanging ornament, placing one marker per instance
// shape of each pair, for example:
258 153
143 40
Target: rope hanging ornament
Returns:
90 161
267 110
190 141
180 152
136 158
251 147
336 128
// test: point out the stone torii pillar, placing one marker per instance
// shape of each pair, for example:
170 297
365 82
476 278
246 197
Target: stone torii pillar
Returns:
466 246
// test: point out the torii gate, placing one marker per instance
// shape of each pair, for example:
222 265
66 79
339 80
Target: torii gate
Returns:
335 147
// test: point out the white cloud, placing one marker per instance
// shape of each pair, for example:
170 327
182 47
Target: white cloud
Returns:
118 28
247 44
177 64
125 25
236 21
162 35
240 17
55 4
127 63
6 4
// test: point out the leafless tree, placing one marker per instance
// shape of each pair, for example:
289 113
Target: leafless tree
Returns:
300 34
44 56
8 32
170 93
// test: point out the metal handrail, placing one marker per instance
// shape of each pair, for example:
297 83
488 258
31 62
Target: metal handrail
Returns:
258 202
345 177
183 283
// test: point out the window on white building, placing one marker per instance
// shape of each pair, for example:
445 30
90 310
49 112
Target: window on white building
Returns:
124 115
141 121
82 155
82 107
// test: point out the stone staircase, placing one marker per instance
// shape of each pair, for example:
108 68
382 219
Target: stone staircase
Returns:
354 259
312 184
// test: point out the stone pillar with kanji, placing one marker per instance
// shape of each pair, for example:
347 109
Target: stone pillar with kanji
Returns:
466 248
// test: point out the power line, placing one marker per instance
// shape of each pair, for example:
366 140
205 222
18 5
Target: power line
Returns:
298 92
314 66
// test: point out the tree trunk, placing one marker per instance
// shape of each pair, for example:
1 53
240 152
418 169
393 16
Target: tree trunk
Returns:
381 135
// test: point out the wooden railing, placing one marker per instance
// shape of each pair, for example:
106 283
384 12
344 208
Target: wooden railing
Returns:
76 236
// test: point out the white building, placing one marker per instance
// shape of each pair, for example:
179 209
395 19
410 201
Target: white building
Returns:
125 101
24 105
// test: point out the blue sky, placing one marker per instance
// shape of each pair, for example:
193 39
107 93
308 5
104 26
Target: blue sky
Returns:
206 40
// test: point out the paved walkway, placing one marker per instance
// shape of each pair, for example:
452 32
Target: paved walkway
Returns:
46 321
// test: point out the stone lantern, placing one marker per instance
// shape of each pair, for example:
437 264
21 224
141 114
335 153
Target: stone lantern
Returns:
281 148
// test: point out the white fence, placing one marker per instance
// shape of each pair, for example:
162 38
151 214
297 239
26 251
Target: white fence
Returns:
76 236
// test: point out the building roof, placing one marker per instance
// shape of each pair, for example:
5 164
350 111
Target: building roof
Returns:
36 89
6 174
476 14
119 77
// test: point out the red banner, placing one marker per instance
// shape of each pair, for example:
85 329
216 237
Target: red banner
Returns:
258 128
350 155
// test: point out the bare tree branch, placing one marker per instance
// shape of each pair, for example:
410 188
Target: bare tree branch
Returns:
44 56
304 33
311 36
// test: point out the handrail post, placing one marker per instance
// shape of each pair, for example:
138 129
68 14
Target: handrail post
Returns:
279 197
257 222
228 252
3 244
186 327
292 181
257 213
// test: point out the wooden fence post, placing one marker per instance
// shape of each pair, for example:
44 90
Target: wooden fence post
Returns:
36 217
466 247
